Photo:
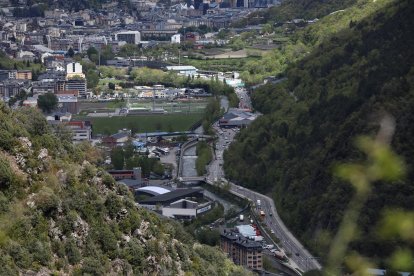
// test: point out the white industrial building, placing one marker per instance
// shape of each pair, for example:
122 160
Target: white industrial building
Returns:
176 39
183 70
130 37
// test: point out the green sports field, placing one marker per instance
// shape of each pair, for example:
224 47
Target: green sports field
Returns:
173 107
144 123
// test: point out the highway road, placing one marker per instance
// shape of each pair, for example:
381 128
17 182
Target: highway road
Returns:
299 256
244 98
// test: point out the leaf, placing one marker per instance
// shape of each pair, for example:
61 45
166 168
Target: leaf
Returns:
402 259
397 224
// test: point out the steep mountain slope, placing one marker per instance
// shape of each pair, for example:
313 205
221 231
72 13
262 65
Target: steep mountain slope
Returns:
304 40
59 214
294 9
333 95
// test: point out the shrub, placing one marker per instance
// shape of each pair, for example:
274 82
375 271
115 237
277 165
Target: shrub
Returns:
113 204
92 266
20 255
46 201
6 174
72 252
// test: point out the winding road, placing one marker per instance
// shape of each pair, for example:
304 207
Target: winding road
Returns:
299 257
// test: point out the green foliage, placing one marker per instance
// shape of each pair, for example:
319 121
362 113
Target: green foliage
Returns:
93 55
125 158
294 9
303 41
336 92
113 204
209 237
147 76
46 201
111 85
145 123
6 174
92 78
47 102
92 266
117 158
211 114
72 252
71 52
64 214
204 157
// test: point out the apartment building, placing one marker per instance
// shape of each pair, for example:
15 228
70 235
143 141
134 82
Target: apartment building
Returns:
82 130
241 250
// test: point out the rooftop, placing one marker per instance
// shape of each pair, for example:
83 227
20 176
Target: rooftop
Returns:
154 190
181 68
172 196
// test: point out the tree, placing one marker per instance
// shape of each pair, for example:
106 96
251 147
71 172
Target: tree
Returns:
70 52
93 55
111 85
92 78
47 102
106 54
267 29
117 158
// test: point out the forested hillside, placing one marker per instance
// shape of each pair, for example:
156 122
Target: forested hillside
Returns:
338 92
294 9
304 40
61 215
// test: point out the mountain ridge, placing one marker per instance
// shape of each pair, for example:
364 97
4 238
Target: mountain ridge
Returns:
334 94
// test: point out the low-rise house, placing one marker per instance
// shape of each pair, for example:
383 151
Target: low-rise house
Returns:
82 130
116 139
68 103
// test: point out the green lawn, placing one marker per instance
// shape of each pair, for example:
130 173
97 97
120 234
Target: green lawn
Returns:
229 64
174 107
144 123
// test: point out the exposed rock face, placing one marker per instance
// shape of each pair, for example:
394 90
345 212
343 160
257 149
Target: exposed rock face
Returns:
120 267
43 154
42 272
54 231
81 231
26 144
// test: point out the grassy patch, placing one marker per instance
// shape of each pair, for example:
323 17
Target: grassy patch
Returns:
116 104
144 123
174 107
227 64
